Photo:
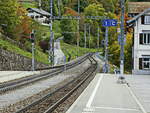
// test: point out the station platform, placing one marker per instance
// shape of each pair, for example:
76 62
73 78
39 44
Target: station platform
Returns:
105 95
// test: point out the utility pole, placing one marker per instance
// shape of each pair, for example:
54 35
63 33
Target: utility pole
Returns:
59 11
51 47
106 51
89 34
39 4
84 35
98 36
122 38
78 29
33 48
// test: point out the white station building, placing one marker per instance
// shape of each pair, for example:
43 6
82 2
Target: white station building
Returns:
141 42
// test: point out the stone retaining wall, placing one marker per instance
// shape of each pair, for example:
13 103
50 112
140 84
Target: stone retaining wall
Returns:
11 61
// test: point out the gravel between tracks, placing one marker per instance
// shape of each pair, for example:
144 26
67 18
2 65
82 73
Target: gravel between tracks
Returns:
69 74
67 103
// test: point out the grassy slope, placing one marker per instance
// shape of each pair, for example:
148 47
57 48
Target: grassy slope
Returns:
71 49
28 4
39 56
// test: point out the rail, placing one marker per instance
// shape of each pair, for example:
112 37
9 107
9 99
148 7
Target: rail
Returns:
82 78
24 81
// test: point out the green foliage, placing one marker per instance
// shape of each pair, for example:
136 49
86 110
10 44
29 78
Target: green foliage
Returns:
139 0
67 27
28 5
94 10
128 52
46 6
73 50
8 15
39 56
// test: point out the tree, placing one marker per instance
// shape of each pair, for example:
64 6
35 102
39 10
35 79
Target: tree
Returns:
8 15
23 29
69 27
46 6
95 9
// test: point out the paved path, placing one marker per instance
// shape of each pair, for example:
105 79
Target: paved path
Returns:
104 95
58 53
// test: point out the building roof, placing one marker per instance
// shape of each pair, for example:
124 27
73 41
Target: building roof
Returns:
138 7
138 16
40 11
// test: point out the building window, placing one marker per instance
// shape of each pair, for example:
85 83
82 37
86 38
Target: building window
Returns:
36 16
32 16
41 16
144 38
144 63
145 19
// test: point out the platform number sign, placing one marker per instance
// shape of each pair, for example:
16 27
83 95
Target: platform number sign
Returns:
109 22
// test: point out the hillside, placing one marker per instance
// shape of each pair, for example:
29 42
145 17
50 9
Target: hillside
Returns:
39 55
20 26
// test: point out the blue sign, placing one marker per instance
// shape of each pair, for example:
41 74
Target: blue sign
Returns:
109 22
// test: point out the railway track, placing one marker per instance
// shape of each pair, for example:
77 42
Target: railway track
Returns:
31 79
49 102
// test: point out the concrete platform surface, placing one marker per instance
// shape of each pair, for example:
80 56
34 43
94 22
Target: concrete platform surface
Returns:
104 95
11 75
140 85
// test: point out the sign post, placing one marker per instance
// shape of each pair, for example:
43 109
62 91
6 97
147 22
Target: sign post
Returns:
107 23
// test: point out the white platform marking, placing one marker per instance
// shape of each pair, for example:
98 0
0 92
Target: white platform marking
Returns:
88 105
112 108
137 101
88 110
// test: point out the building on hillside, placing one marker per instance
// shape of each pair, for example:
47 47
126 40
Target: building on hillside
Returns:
134 8
39 15
141 42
